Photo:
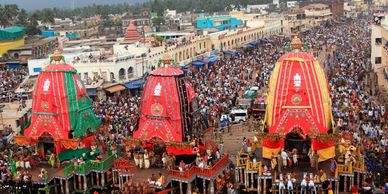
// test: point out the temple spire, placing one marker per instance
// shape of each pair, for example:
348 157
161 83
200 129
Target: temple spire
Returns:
132 34
296 44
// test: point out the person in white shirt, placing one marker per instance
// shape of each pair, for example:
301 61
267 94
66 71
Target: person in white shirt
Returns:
284 156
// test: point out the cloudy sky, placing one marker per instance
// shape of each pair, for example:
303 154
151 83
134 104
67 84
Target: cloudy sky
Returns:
40 4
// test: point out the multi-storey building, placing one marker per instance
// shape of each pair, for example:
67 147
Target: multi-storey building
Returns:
379 53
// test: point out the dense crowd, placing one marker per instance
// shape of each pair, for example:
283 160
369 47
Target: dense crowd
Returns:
10 80
219 86
354 109
119 113
356 113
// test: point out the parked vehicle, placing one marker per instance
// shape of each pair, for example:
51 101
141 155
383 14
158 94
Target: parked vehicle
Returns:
239 115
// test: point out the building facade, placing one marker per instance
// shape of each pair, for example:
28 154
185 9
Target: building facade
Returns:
319 13
220 22
379 54
336 6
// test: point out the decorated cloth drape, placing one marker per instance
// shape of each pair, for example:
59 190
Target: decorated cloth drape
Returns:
298 101
60 107
161 108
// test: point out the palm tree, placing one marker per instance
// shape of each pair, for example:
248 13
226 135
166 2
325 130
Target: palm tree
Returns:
8 14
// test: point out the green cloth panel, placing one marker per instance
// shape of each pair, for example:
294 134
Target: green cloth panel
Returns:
71 94
87 119
69 153
85 108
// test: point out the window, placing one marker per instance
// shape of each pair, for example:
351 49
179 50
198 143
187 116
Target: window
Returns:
37 69
377 60
378 41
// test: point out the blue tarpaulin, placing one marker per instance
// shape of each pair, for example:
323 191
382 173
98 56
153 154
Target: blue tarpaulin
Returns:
210 59
136 84
230 52
37 69
248 46
253 43
263 41
197 63
91 91
13 65
185 69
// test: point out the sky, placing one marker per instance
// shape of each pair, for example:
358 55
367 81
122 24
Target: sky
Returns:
30 5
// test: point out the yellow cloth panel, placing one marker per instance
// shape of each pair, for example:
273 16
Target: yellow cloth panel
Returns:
271 92
5 46
325 94
267 152
327 153
295 59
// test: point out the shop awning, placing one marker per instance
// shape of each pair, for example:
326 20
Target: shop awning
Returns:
91 91
210 59
248 46
263 41
116 88
230 52
136 84
14 65
253 43
197 63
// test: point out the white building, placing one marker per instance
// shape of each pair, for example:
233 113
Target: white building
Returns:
350 10
292 4
318 12
260 8
379 56
92 65
276 2
377 40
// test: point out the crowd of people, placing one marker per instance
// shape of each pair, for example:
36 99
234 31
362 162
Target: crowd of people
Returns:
10 80
219 86
346 61
355 111
119 113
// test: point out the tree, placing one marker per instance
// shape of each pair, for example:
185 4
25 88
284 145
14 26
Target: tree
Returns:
32 29
47 16
8 14
22 18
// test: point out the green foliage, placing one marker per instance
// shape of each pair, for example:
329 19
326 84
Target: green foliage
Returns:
158 38
45 15
8 13
108 23
22 18
158 21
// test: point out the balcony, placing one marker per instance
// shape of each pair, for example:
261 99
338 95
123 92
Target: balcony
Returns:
88 166
194 171
124 166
